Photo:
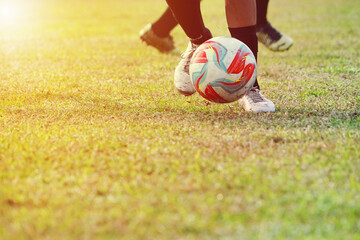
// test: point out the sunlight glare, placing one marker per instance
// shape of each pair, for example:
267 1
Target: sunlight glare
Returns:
10 12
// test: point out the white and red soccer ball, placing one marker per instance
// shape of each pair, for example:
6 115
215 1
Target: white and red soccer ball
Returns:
223 69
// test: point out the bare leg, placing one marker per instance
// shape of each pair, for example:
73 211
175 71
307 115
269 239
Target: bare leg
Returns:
240 13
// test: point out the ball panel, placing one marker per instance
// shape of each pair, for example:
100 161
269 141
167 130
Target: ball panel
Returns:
223 69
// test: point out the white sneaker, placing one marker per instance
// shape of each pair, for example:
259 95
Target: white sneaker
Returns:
254 101
272 38
182 78
164 45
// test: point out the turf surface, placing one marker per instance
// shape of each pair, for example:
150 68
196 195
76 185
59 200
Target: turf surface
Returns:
95 143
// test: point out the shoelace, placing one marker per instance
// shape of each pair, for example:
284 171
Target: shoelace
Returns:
188 57
255 96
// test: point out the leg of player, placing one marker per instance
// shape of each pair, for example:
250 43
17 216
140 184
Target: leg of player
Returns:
267 34
241 18
157 34
188 14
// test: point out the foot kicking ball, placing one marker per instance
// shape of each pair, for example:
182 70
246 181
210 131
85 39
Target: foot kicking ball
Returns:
223 69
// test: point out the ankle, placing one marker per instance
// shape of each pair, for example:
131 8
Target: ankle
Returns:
206 35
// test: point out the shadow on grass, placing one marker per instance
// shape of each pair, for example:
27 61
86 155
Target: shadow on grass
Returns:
82 106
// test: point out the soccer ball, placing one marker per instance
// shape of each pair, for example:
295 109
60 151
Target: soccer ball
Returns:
223 69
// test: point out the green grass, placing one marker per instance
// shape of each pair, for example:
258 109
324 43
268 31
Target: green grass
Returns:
95 143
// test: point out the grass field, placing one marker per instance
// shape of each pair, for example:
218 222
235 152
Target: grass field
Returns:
95 143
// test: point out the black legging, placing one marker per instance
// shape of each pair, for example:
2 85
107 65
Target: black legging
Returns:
261 11
167 21
190 19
